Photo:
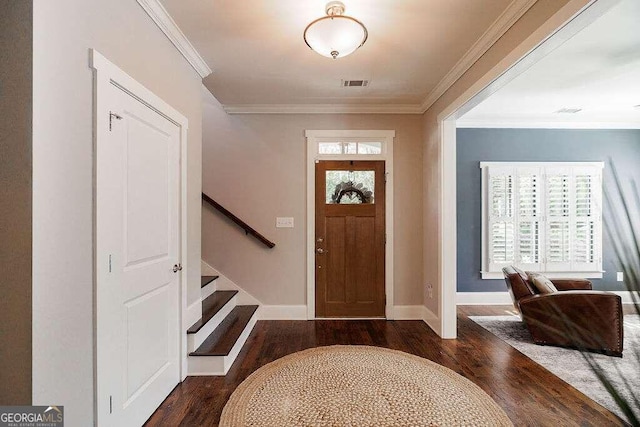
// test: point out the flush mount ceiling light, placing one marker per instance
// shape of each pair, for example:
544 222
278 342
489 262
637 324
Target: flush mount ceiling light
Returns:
335 35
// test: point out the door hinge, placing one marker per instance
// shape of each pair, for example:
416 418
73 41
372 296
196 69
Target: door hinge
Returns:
111 404
385 238
112 116
109 263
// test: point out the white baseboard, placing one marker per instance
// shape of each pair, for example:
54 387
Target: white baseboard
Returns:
503 298
282 312
432 320
626 296
299 312
418 312
408 312
483 298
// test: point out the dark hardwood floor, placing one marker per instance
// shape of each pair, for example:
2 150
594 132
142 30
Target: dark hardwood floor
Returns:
529 394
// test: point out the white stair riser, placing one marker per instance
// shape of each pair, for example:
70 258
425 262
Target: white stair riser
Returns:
220 365
208 289
242 339
206 365
194 340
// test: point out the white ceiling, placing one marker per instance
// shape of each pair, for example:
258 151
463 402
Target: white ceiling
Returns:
597 70
258 55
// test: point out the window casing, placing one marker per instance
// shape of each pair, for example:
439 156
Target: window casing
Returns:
542 217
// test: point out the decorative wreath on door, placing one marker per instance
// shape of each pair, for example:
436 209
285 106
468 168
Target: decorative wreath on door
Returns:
352 190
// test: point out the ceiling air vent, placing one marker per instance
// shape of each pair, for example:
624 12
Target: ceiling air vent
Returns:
355 83
568 110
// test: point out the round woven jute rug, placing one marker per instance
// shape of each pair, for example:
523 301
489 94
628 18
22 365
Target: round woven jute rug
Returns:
359 386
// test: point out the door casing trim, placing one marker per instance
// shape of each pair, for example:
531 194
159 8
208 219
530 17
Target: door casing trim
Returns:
107 74
315 136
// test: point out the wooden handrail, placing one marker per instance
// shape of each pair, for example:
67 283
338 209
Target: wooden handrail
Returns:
246 227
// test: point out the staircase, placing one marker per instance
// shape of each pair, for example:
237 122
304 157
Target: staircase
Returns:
215 340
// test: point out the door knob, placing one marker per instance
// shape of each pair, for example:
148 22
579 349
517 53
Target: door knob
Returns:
177 267
321 251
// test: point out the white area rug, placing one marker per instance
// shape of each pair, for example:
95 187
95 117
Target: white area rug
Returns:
570 365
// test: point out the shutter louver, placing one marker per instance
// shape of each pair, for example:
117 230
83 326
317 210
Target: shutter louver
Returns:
558 248
528 219
502 242
586 231
502 227
584 243
502 196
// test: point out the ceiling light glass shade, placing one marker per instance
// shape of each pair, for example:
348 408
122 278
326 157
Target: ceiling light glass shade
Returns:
335 35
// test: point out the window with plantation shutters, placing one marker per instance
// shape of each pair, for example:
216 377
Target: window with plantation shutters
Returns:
542 217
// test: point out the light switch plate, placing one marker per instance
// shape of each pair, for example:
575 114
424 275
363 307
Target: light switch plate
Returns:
284 222
620 276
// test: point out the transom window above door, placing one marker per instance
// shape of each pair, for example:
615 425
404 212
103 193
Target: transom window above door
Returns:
351 147
350 144
542 217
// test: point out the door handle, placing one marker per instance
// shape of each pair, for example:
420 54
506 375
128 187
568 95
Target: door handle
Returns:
321 251
177 267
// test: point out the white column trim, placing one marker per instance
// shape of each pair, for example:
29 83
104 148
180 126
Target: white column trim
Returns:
448 230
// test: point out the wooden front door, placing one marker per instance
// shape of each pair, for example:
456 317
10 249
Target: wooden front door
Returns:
350 239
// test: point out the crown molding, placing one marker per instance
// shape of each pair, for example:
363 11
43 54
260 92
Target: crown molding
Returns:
499 124
165 22
322 108
510 16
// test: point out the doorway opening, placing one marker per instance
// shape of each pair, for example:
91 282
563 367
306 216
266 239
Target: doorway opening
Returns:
522 58
350 223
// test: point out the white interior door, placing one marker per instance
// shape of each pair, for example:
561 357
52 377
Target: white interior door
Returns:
138 233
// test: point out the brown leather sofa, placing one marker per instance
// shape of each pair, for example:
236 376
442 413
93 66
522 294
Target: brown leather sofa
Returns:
575 316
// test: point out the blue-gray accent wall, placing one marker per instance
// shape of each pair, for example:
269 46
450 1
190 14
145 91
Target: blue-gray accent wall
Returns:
531 145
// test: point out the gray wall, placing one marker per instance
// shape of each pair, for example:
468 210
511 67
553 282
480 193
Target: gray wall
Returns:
16 35
531 145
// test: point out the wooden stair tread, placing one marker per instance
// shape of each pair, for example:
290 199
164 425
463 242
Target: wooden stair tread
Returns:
211 305
205 280
223 338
